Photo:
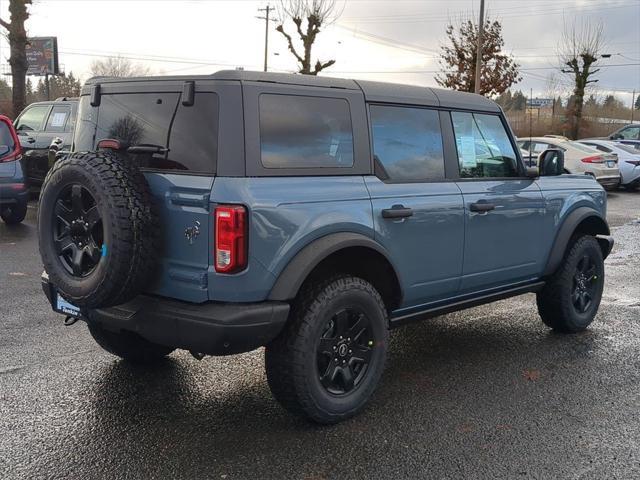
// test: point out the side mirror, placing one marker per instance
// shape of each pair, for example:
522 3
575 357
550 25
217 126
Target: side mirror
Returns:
54 147
615 136
551 162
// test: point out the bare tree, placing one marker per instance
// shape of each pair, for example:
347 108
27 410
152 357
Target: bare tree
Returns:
458 59
318 14
117 67
579 51
17 35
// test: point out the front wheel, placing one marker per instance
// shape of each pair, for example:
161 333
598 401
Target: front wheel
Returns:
570 299
328 361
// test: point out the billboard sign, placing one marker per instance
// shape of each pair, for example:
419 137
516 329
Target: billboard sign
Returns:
42 56
539 102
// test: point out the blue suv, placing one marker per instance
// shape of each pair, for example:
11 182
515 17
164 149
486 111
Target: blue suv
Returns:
14 193
308 215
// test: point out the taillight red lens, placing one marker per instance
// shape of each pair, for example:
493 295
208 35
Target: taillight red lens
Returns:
593 159
230 254
10 157
110 143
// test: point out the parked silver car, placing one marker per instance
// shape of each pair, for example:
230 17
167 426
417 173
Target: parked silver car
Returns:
578 158
628 160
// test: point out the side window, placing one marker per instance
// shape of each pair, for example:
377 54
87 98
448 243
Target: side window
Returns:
32 119
193 144
58 119
539 147
484 147
407 142
305 132
630 133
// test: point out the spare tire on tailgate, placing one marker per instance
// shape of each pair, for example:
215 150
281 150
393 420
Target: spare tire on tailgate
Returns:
97 229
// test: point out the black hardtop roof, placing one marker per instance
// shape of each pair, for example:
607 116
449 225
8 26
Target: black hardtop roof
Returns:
373 91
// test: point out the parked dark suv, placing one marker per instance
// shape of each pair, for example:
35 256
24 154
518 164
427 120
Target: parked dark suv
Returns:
309 215
41 127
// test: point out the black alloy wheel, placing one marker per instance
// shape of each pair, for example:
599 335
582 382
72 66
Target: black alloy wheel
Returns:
344 351
77 232
585 283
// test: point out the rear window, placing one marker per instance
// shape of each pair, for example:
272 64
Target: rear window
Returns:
305 132
5 136
190 138
582 148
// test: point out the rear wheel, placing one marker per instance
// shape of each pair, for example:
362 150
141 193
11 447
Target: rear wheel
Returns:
328 361
14 214
128 345
570 299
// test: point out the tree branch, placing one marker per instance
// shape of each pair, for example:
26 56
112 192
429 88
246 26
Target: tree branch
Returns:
280 29
320 66
5 24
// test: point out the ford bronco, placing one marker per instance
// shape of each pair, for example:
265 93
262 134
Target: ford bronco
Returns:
309 216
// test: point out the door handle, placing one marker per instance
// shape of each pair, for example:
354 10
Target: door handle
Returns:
481 207
31 140
397 211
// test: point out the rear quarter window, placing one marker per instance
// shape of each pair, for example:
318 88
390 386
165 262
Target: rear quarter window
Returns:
305 132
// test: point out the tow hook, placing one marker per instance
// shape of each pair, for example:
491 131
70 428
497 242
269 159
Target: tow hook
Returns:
69 320
196 355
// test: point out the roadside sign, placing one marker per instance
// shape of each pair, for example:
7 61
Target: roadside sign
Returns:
42 56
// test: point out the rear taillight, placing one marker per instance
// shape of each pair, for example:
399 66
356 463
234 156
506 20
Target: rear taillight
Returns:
593 159
230 253
15 155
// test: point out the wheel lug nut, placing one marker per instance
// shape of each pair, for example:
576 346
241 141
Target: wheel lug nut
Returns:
335 348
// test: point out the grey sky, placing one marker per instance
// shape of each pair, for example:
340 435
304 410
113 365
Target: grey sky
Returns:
383 40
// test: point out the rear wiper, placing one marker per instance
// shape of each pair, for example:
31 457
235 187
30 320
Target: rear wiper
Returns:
147 148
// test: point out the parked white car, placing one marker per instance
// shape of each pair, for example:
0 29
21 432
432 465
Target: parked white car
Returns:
578 158
628 160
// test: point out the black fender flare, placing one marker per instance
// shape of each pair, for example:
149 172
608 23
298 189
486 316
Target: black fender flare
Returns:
571 222
302 264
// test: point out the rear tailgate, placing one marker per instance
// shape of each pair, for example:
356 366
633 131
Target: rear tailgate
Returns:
185 223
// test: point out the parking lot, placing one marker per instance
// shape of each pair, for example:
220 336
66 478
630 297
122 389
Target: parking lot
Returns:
484 392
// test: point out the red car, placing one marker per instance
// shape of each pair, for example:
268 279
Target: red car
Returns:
14 193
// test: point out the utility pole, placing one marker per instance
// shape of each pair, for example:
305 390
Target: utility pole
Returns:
266 19
479 47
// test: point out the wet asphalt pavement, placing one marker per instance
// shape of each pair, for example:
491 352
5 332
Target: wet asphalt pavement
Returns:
484 393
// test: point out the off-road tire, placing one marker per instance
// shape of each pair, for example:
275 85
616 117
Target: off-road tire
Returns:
290 359
14 214
129 222
555 304
128 345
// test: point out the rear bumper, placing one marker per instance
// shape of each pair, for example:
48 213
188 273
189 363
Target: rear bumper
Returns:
10 194
608 181
210 328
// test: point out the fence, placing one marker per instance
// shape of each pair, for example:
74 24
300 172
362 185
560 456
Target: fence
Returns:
535 124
